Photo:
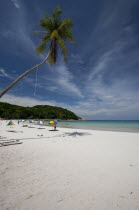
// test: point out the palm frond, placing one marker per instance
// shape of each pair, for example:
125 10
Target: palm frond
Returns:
45 32
47 16
63 48
72 41
42 47
46 38
65 30
47 24
57 12
54 35
66 23
66 35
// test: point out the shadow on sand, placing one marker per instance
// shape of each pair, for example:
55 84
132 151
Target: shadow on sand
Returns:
74 134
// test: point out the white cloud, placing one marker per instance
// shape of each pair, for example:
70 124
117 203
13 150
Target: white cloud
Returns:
16 3
65 81
101 64
75 58
24 101
18 33
4 74
59 79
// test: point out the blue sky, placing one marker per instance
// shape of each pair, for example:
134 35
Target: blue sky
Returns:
101 79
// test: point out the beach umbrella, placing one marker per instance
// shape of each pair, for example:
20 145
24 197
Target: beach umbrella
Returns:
52 122
31 121
39 122
25 121
10 123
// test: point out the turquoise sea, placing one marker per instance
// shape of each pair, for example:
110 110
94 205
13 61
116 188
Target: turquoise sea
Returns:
104 125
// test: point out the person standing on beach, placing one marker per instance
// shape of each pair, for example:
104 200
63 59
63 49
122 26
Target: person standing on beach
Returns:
55 127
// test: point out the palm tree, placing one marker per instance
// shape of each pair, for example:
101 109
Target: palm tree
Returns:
56 32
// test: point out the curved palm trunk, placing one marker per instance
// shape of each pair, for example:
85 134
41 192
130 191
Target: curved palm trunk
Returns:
53 47
23 75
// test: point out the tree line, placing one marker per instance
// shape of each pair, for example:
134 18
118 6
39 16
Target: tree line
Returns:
9 111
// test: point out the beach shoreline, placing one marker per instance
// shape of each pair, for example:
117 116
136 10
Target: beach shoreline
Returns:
103 129
68 169
130 126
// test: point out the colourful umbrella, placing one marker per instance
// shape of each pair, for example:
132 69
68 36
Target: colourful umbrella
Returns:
31 121
52 122
39 123
10 123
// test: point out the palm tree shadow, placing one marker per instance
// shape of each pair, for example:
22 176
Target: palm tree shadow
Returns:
40 128
75 134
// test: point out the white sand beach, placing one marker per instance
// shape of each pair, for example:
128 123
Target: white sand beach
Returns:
68 169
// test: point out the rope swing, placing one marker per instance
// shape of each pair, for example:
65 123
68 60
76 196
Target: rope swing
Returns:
36 82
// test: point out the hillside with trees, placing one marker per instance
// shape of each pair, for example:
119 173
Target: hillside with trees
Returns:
9 111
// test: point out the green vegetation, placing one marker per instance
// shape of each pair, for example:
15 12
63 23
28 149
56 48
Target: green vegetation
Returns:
9 111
